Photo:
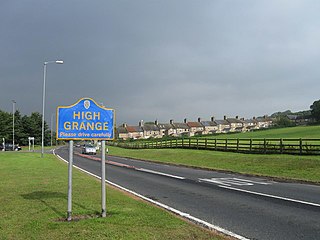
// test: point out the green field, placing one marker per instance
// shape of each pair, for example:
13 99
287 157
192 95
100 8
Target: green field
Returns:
33 200
290 132
294 167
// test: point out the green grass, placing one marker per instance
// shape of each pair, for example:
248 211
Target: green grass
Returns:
33 198
306 168
290 132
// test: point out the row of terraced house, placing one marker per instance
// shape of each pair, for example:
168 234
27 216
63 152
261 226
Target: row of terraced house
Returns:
186 128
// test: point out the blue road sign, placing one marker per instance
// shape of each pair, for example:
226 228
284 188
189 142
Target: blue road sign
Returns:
85 120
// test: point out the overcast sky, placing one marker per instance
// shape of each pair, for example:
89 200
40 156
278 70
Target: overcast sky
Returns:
166 59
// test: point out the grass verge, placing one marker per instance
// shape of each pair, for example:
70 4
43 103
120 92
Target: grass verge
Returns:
289 132
293 167
33 199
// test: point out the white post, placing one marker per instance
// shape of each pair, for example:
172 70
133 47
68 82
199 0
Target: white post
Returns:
69 218
13 111
51 129
103 178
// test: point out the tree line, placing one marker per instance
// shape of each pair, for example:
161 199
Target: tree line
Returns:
24 127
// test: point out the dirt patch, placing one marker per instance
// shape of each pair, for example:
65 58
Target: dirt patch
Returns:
76 218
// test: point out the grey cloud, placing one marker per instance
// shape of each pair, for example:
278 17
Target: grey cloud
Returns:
162 59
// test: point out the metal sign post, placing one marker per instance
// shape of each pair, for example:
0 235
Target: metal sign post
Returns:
103 178
69 217
86 120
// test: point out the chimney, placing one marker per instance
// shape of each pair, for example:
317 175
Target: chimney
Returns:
124 125
171 121
185 120
156 122
212 119
237 117
141 123
254 118
199 119
224 117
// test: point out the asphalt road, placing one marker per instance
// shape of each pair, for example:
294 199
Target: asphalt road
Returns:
255 208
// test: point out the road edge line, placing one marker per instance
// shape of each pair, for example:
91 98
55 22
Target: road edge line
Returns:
271 196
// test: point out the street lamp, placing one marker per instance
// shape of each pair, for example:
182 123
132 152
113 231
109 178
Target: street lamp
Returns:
43 99
13 111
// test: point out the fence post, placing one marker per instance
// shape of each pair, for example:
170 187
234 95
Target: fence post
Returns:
215 144
206 143
237 144
250 145
189 142
264 145
176 143
197 143
182 143
226 147
281 146
300 146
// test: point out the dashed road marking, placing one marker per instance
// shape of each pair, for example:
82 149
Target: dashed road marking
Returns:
159 173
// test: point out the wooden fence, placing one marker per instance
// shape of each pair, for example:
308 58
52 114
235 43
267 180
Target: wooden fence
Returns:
245 145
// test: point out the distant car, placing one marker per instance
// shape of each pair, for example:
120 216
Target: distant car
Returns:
89 149
9 147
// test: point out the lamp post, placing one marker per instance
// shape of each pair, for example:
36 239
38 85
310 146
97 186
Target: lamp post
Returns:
13 111
43 99
51 129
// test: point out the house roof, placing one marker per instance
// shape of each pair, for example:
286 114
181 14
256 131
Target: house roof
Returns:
249 121
264 119
150 127
194 124
165 126
180 125
221 122
208 123
134 129
122 130
234 120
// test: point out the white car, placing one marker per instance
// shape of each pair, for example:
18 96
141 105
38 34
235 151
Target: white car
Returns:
89 149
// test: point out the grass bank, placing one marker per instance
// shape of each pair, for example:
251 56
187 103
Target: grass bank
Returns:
33 200
305 168
289 132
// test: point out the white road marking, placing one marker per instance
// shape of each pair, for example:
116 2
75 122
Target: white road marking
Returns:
232 181
255 182
182 214
159 173
272 196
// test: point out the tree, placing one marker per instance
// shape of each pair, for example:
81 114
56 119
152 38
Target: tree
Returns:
5 125
284 121
24 127
315 110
